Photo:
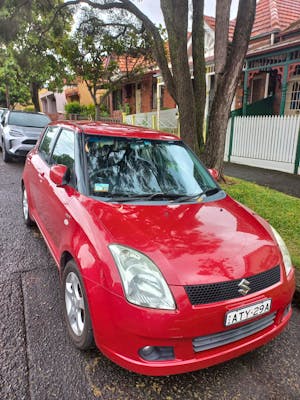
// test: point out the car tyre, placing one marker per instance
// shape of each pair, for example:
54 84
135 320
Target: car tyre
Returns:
76 309
25 207
6 157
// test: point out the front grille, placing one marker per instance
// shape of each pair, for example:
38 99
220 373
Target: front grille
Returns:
203 343
220 291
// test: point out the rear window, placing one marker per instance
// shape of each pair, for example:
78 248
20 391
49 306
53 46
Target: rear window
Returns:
30 120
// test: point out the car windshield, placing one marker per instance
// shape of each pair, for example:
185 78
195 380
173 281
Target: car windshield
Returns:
120 167
27 119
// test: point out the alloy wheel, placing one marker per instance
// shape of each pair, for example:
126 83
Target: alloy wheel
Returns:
75 306
25 205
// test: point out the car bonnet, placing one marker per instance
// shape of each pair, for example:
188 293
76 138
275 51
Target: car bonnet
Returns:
192 243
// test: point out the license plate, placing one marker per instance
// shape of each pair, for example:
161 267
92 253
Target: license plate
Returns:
243 314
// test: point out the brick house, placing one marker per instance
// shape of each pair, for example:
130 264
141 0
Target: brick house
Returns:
139 94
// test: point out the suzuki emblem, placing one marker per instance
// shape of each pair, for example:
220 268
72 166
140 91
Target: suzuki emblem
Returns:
244 287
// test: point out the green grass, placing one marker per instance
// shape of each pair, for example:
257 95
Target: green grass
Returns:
280 210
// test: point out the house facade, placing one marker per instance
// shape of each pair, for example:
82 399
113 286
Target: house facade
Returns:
53 103
271 81
140 95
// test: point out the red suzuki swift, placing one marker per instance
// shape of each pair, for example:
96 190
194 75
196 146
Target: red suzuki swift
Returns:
159 266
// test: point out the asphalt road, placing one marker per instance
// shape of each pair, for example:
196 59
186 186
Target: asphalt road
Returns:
37 360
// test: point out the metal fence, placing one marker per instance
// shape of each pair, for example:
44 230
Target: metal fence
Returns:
271 142
168 120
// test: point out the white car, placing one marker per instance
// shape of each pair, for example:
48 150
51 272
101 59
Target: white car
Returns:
19 133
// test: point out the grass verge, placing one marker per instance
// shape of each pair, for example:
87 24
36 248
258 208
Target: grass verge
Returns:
280 210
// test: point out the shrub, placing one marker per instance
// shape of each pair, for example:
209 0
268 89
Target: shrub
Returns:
73 107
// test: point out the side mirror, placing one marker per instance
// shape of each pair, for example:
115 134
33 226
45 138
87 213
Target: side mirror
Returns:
60 175
214 173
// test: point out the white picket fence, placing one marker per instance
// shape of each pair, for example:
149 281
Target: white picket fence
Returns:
264 141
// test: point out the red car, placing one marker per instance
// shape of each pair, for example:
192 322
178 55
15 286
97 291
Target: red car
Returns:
159 266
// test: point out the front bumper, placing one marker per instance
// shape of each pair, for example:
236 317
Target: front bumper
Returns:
19 146
121 329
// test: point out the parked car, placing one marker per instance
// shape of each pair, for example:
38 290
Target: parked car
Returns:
159 266
19 133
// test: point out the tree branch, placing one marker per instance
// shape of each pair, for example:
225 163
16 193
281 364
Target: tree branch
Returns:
242 33
99 23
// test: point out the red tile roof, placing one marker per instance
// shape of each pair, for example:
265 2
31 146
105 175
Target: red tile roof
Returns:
211 22
275 15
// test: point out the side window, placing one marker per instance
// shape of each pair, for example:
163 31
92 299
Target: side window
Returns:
64 152
47 142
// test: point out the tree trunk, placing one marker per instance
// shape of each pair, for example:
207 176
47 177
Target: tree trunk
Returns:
217 127
227 79
7 96
34 91
97 112
176 18
199 68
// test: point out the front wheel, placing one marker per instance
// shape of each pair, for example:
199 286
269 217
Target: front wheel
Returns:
6 157
76 310
26 213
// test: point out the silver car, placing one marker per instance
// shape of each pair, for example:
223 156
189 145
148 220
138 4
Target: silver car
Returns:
19 132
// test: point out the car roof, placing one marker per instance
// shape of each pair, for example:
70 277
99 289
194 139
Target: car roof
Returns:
113 129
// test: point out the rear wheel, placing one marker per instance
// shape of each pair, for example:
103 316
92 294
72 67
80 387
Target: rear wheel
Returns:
26 213
76 310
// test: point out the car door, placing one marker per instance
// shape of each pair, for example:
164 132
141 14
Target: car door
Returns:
37 163
56 200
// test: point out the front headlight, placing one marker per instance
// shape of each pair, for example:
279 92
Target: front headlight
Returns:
284 251
143 282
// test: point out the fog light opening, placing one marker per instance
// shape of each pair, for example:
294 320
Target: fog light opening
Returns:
157 353
287 310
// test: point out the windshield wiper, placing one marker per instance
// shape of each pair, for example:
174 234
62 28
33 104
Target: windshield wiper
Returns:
153 197
161 196
144 196
208 192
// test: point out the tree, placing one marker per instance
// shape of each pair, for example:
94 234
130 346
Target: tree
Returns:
105 55
190 95
13 13
34 45
12 88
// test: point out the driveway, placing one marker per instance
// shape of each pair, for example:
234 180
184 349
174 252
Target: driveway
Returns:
38 361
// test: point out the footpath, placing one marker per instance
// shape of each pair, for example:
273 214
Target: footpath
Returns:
286 183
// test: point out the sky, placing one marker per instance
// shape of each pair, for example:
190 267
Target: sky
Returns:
152 9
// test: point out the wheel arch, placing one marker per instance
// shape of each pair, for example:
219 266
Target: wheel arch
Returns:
65 257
